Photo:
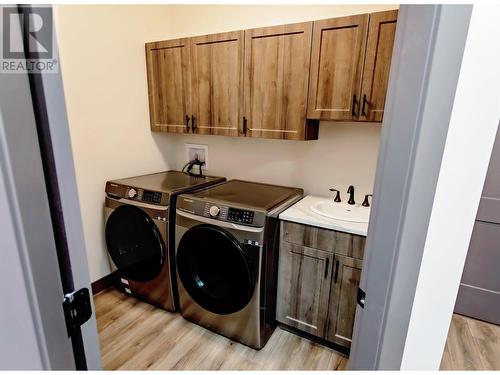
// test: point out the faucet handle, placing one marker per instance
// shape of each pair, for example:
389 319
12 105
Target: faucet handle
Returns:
337 196
365 201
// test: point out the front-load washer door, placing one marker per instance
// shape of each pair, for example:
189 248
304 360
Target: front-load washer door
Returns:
215 269
134 243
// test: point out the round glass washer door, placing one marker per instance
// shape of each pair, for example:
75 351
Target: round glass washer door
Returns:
215 270
134 243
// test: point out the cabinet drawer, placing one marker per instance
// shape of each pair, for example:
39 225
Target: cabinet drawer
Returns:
341 243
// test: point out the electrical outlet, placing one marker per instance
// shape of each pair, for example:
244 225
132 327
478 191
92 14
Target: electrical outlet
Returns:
200 151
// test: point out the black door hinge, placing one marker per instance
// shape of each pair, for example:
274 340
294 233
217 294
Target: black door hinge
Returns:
361 298
77 309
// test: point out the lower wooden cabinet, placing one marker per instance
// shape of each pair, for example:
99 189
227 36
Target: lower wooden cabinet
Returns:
343 296
304 286
317 289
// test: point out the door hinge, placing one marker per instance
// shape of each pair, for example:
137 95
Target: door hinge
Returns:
77 309
361 298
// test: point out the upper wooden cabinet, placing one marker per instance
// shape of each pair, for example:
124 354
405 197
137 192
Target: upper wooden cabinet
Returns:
380 41
217 83
168 69
272 82
351 58
338 52
276 81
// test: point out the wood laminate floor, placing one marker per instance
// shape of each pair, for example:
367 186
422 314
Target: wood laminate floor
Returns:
136 336
471 345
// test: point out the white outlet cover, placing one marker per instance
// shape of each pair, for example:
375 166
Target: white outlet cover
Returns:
202 150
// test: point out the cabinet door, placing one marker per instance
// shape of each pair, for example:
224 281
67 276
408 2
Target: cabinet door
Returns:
304 279
381 34
277 63
343 300
338 51
169 85
217 74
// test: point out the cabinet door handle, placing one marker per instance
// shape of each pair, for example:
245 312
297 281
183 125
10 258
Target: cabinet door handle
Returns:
193 122
244 125
187 124
363 107
326 267
336 271
354 102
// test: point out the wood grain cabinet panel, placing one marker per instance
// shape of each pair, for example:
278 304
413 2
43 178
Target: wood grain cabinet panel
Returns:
343 300
338 50
303 287
217 83
272 82
342 243
382 30
317 289
168 71
277 61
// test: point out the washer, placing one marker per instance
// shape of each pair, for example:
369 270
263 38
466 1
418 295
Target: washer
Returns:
139 216
227 239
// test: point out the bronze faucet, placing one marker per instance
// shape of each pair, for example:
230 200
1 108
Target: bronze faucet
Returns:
337 196
350 191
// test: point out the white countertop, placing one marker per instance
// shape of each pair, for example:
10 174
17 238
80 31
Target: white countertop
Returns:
301 213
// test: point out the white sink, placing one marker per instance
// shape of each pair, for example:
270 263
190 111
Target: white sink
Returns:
342 211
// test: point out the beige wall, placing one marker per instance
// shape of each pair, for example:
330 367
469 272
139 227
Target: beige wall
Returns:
103 65
189 20
345 154
104 76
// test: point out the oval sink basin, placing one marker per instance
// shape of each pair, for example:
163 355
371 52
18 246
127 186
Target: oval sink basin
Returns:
342 211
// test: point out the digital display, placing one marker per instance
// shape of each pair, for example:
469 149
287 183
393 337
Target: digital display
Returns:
240 216
151 196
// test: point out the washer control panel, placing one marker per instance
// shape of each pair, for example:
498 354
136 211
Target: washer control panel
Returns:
137 194
234 215
240 216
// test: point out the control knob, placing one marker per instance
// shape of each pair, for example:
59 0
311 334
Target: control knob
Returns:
132 193
214 211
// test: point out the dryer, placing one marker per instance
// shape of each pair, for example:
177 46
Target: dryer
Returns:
139 227
226 252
